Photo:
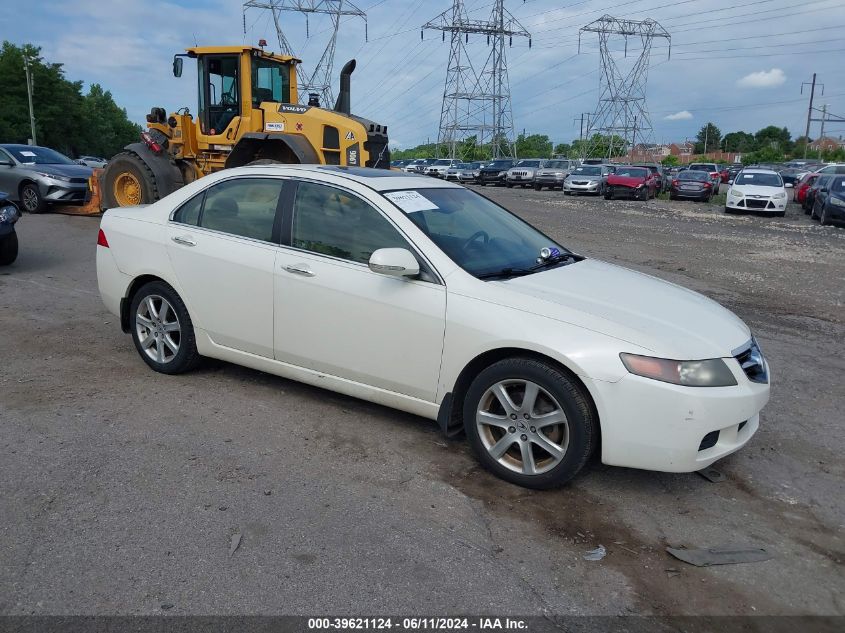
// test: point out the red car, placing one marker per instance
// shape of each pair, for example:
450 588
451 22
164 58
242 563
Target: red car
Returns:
799 192
724 174
634 182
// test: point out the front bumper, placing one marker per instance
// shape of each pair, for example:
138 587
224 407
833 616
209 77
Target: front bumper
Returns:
621 191
658 426
491 179
519 180
764 205
64 192
549 181
592 186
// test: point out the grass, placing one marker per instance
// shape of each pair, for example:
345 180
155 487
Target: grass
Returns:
719 199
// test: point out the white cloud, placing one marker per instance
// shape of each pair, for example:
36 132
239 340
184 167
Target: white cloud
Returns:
763 79
683 115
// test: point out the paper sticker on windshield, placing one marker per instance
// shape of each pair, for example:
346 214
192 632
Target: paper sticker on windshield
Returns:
410 201
27 153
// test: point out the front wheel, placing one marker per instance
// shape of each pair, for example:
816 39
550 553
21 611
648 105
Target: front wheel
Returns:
529 423
8 248
823 219
128 181
162 329
31 199
537 187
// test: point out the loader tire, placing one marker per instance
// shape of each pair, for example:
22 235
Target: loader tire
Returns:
128 181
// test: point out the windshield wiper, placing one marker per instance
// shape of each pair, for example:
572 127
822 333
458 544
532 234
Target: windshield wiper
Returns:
551 261
506 273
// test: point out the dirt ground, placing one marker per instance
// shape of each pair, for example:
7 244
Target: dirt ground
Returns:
122 488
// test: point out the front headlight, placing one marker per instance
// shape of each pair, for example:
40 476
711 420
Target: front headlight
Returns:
837 202
54 176
503 173
8 214
689 373
779 196
735 193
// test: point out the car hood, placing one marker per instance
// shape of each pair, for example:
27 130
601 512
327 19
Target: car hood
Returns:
751 190
625 181
71 171
670 321
551 172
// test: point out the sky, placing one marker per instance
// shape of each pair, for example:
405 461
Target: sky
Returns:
737 63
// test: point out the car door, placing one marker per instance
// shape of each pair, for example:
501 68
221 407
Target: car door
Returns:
9 178
222 246
334 315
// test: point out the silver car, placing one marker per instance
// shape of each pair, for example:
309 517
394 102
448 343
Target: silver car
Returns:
37 176
470 172
522 174
92 161
587 179
553 173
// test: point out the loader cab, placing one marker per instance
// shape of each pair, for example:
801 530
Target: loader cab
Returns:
219 93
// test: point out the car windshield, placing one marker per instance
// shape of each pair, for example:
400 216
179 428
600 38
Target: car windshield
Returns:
587 171
500 164
473 166
759 180
528 163
478 235
39 156
557 164
443 162
694 175
632 172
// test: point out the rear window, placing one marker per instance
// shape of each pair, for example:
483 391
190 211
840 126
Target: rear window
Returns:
703 167
700 176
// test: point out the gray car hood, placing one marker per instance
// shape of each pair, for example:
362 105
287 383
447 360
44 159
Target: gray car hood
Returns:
70 171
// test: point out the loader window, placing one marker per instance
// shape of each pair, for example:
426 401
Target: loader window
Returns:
219 93
270 81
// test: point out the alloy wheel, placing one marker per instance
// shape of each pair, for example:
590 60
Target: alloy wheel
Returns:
158 329
522 426
29 199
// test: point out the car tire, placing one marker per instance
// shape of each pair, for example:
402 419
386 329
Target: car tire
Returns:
8 248
823 219
31 199
813 215
538 187
495 425
608 196
153 330
672 196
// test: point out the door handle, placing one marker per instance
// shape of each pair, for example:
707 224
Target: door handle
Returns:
184 241
300 269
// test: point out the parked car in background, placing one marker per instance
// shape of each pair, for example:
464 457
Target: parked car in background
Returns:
758 190
691 184
631 182
523 171
553 173
833 168
9 215
799 192
438 168
38 176
829 202
625 356
790 175
587 179
657 171
495 173
413 165
712 169
93 161
470 172
810 195
452 172
733 170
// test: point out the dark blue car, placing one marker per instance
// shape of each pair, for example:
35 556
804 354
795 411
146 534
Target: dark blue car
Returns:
9 214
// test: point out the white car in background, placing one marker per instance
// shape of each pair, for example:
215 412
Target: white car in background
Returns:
522 174
341 277
759 190
439 167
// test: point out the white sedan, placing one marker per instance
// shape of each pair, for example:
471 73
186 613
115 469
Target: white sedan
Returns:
757 190
425 296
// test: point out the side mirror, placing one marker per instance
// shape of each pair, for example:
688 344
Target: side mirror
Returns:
730 182
396 262
788 185
177 66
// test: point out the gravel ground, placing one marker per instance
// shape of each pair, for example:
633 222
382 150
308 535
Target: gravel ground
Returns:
122 488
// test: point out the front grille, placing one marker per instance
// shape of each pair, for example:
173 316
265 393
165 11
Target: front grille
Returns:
752 363
756 204
709 440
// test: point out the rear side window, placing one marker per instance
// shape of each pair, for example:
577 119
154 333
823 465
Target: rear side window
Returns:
245 207
333 222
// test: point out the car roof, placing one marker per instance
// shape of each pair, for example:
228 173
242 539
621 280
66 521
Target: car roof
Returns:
378 179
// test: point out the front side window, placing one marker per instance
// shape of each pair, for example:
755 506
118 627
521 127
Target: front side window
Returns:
245 207
330 221
477 234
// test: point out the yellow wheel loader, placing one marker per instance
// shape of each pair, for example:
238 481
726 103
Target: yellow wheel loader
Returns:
248 112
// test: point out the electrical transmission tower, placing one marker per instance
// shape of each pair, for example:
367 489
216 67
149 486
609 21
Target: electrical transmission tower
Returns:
477 103
621 115
320 80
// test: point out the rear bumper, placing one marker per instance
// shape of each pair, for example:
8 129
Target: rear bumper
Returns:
657 426
697 195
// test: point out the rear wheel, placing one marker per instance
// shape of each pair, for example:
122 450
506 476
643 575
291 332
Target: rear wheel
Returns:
823 219
538 187
128 181
8 248
162 329
529 423
31 198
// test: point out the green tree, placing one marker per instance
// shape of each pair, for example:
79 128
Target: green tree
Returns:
773 137
670 161
709 139
739 142
533 146
600 146
563 149
66 119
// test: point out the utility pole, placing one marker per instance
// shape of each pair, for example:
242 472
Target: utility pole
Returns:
824 117
706 136
33 140
810 110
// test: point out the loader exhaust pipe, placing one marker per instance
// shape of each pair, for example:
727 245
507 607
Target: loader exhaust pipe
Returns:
343 104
